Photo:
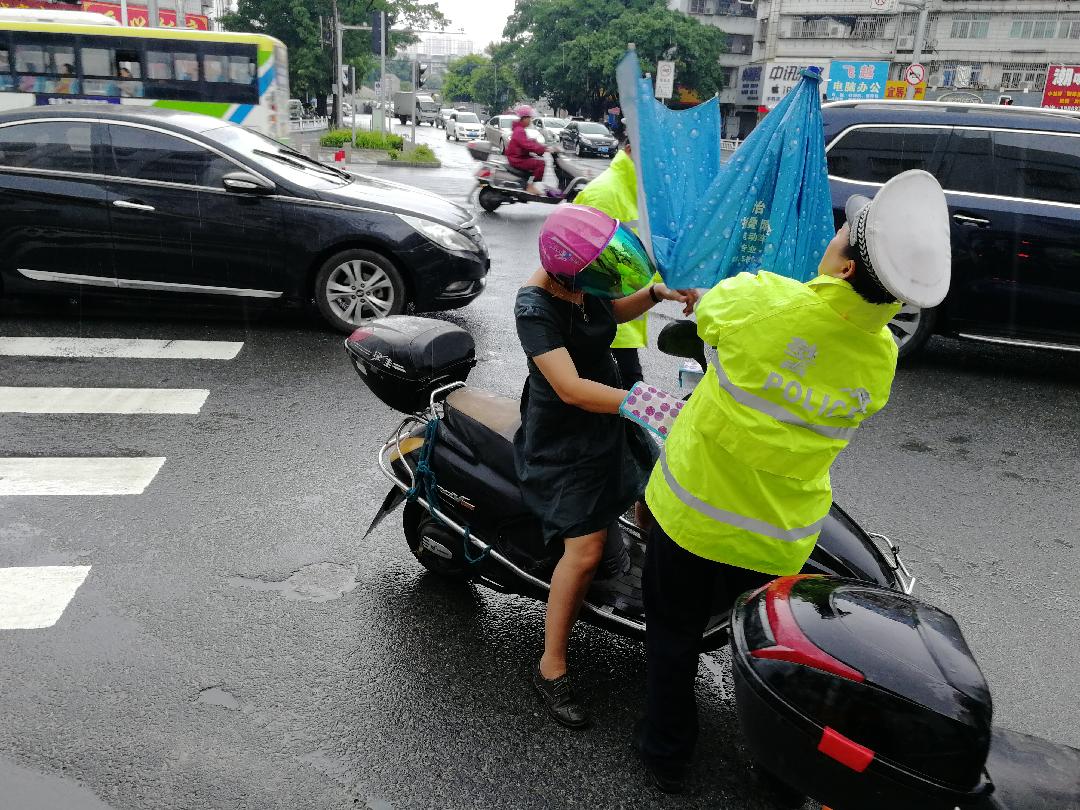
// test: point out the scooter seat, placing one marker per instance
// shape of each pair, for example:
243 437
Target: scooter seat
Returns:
486 423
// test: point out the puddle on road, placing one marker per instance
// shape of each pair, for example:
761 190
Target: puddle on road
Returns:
320 582
216 696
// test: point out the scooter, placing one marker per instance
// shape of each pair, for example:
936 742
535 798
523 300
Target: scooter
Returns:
499 183
451 462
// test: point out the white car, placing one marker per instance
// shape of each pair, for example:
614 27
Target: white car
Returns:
444 116
464 125
550 126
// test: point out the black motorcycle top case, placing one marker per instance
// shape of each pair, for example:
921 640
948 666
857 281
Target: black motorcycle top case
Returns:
860 696
403 359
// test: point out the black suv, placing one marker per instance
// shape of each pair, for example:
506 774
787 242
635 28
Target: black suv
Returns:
1012 180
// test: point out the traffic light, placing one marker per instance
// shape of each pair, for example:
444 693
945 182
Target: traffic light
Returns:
421 69
376 32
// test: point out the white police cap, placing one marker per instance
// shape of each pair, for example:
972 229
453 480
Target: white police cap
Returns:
902 236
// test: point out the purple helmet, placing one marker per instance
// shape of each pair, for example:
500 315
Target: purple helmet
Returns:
524 111
594 253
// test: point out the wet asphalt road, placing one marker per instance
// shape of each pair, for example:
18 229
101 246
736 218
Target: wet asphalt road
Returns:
237 644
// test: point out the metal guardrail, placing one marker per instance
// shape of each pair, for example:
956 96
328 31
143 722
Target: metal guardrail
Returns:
309 124
729 144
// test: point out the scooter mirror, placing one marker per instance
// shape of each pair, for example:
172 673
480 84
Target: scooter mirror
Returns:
680 339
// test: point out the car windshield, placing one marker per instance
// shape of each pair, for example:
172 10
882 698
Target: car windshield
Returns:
558 123
269 154
467 118
507 121
589 128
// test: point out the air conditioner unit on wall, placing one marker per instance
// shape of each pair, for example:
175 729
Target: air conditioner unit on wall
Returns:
905 43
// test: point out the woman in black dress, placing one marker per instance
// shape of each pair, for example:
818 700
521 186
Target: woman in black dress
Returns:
580 465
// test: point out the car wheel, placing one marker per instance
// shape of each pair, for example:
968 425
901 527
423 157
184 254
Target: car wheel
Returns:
911 328
489 199
357 285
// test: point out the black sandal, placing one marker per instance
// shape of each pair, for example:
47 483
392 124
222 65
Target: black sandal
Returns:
558 696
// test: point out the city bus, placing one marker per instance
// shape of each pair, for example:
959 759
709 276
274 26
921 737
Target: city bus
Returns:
241 78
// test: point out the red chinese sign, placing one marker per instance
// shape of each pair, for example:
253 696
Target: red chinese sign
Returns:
137 15
1062 90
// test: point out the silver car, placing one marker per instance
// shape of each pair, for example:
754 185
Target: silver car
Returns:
550 127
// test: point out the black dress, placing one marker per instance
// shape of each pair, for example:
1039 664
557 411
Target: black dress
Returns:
578 471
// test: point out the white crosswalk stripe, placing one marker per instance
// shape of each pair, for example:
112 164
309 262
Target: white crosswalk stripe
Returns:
34 597
102 400
77 476
120 347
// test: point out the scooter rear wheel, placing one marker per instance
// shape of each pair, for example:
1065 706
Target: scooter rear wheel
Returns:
435 547
489 199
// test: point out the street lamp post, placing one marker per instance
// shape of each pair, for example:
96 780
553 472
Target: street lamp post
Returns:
920 35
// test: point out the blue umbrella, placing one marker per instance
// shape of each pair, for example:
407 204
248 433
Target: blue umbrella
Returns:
768 208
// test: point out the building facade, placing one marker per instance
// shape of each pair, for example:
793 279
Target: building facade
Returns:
971 49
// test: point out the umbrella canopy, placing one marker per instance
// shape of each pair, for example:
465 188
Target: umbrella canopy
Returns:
768 208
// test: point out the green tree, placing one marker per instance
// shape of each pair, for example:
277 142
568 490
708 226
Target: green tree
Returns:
495 86
296 23
457 84
567 50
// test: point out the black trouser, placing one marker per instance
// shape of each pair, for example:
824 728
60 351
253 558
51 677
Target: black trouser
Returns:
629 366
680 590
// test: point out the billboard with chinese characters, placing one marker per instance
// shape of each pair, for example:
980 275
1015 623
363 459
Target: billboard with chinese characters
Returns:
137 15
780 77
899 89
851 80
748 89
1062 91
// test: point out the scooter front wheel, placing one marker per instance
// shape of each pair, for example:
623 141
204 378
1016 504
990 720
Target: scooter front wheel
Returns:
435 547
489 199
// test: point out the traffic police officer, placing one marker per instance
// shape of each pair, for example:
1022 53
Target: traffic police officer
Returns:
742 487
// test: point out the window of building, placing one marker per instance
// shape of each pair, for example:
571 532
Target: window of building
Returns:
1018 75
971 26
953 75
876 154
697 7
810 27
872 27
763 29
740 43
1034 28
1070 29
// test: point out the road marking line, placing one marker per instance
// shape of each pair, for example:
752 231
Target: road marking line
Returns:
101 400
35 597
120 347
77 476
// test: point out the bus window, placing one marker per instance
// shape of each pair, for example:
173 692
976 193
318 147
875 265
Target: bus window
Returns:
215 68
186 67
241 69
111 72
5 70
46 68
159 65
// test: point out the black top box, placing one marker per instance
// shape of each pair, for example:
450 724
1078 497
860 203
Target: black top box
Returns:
403 359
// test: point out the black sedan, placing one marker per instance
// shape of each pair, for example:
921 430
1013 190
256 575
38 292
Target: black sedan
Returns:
180 204
588 138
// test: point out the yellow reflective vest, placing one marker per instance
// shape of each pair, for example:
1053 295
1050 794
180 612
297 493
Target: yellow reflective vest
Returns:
614 191
794 369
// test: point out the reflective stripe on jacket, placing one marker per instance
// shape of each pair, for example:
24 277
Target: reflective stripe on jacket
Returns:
614 191
794 371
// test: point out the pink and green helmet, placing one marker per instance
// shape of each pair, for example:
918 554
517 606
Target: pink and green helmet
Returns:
594 253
